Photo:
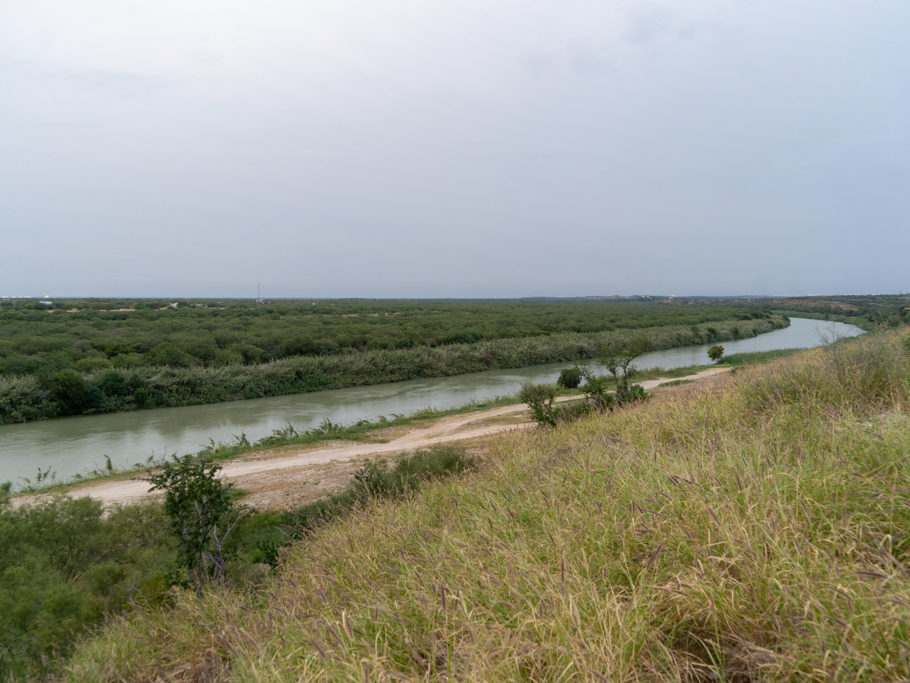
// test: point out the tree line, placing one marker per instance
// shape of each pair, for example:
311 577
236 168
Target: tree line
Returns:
173 370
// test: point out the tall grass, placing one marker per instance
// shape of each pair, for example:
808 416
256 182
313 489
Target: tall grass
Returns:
754 529
868 372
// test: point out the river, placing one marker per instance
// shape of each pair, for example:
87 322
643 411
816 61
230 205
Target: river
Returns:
77 445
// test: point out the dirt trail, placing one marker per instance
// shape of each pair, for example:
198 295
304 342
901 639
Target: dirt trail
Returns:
278 480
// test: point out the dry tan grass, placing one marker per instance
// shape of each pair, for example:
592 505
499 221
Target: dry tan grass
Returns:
756 529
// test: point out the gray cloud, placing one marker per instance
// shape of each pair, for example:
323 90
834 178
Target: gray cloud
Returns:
105 81
454 150
647 22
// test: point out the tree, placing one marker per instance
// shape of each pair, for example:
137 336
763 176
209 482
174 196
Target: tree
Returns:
716 353
113 384
72 393
617 358
597 392
202 514
540 399
569 378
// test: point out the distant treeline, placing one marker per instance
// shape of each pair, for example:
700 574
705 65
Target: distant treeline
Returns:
111 389
90 335
866 311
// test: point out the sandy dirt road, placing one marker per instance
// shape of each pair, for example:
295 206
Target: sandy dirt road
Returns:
276 479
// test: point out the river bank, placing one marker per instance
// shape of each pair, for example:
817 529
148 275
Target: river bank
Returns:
276 478
24 399
76 446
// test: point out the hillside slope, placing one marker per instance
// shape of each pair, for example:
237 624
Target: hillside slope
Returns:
754 528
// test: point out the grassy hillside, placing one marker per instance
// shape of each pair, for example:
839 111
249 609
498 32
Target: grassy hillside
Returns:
756 528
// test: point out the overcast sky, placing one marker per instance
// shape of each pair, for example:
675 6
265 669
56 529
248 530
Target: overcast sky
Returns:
463 148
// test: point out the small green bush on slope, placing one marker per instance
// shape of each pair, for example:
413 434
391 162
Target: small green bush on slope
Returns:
756 529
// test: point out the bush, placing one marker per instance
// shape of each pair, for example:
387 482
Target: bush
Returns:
573 411
72 394
113 384
65 565
540 399
716 353
201 512
90 364
635 393
597 392
569 378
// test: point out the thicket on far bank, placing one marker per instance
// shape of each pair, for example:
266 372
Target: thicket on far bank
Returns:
71 393
753 529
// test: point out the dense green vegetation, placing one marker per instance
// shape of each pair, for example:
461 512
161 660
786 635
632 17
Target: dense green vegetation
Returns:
203 334
79 360
66 567
756 529
866 311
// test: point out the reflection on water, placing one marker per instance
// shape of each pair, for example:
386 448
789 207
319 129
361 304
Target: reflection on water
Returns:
77 444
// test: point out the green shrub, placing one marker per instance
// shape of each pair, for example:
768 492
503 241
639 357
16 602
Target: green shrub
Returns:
540 399
72 394
635 393
597 392
569 378
716 353
201 512
91 364
572 411
64 566
113 384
